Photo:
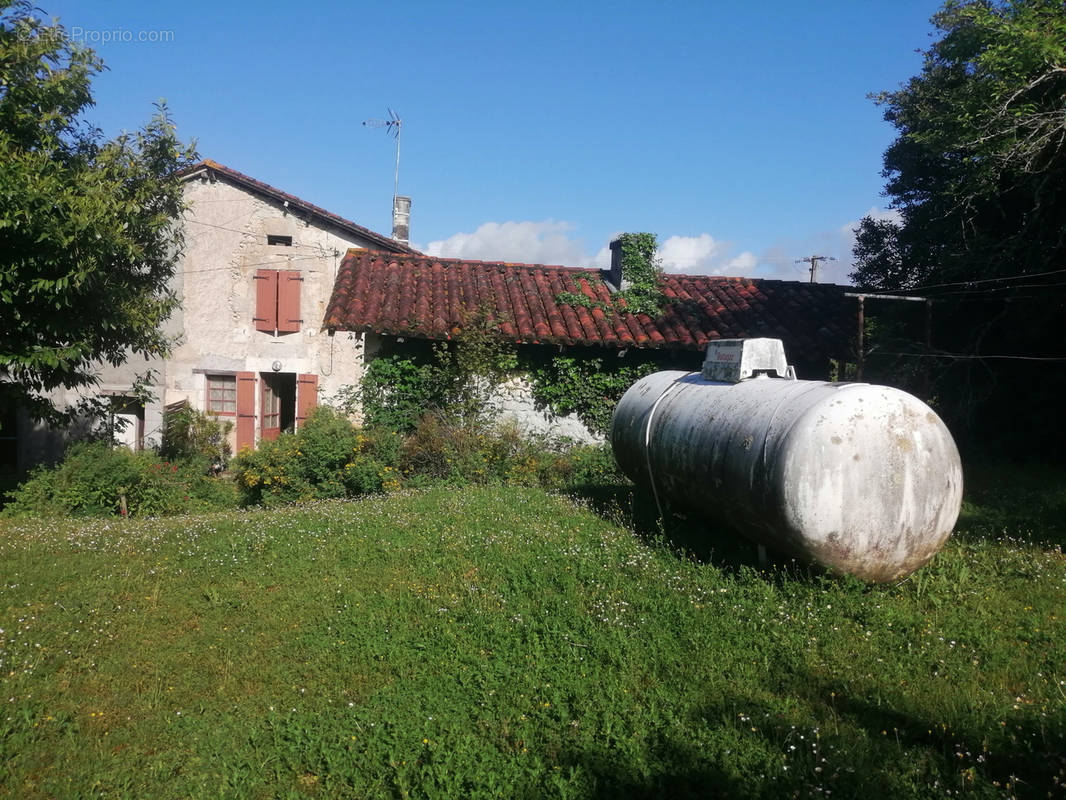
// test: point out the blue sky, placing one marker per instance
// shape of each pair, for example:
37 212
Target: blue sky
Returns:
741 134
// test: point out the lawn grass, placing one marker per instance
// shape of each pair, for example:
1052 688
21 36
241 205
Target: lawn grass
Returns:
501 642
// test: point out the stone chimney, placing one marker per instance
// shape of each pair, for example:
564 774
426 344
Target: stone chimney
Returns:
613 276
401 219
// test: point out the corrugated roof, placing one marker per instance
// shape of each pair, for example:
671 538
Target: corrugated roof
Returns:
425 297
295 203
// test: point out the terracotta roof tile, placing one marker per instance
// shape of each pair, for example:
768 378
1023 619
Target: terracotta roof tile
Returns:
420 296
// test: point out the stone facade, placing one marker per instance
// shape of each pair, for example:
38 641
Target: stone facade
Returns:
231 236
237 230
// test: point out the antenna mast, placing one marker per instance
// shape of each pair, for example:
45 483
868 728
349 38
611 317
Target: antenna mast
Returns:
392 125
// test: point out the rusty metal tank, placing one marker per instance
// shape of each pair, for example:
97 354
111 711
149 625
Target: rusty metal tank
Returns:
859 478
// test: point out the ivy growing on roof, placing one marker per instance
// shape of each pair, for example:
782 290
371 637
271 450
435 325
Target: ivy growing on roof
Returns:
641 292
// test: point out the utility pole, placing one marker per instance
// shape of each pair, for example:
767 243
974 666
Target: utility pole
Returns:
814 264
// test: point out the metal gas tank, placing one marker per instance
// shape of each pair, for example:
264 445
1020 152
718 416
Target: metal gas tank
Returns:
859 478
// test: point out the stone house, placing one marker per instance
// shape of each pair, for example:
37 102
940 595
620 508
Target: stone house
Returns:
257 272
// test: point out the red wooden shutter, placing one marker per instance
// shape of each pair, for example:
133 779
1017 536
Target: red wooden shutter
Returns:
306 397
245 409
266 300
289 301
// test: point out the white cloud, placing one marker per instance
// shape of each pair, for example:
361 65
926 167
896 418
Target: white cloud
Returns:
705 255
553 242
742 265
547 242
689 253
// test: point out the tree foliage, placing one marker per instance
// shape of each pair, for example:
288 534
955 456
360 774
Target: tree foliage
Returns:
978 170
977 176
89 228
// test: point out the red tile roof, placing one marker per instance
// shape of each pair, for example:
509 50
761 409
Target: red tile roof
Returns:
425 297
266 190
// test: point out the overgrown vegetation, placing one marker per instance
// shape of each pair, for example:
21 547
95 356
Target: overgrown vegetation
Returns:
96 479
976 177
641 292
330 458
589 387
454 379
501 642
192 435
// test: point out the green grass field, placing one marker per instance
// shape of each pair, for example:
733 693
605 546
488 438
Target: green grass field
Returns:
501 642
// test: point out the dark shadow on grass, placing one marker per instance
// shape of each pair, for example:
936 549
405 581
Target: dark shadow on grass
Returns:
1024 502
899 750
674 770
683 532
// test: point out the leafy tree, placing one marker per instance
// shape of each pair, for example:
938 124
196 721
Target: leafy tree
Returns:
977 175
89 228
978 171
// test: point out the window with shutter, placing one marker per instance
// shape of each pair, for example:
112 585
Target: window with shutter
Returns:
306 397
266 300
221 395
289 301
277 300
245 409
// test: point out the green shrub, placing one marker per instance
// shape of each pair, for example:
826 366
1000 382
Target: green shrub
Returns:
443 449
191 435
450 450
395 392
327 457
94 478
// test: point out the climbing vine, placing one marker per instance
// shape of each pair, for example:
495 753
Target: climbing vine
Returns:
642 292
451 379
589 387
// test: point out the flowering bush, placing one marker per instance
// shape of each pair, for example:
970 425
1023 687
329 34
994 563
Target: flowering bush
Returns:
327 457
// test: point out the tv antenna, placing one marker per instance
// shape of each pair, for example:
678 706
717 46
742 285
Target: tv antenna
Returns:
392 126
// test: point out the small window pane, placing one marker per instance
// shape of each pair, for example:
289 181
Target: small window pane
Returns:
222 394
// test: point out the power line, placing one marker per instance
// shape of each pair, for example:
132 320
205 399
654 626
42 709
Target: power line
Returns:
1017 277
257 264
999 289
964 357
316 247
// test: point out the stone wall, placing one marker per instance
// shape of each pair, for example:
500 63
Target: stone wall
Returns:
514 400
